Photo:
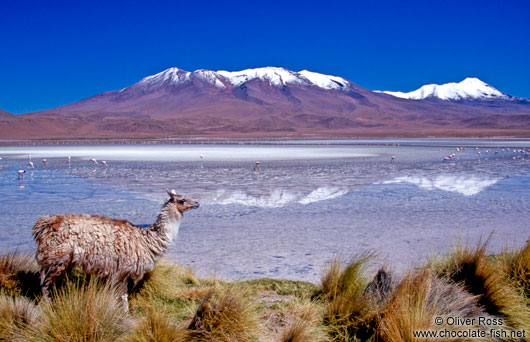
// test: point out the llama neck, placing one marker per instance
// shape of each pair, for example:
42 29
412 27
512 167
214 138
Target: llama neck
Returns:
165 229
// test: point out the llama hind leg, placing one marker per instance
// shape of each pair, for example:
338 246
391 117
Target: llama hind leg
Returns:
45 285
49 276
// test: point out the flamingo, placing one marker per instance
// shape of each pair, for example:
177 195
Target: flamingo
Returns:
201 156
93 160
21 174
256 167
104 163
0 158
392 159
44 161
30 164
69 160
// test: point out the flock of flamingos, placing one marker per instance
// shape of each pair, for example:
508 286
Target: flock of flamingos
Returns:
516 153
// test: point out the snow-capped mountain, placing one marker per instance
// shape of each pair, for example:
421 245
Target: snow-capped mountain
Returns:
274 102
223 79
469 89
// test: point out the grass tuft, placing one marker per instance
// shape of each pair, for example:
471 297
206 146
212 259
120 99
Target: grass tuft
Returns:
418 300
518 268
349 314
19 274
89 313
171 288
303 322
16 314
297 331
165 279
157 326
482 276
224 315
341 278
300 289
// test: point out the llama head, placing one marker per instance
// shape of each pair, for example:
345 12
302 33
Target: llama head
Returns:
181 203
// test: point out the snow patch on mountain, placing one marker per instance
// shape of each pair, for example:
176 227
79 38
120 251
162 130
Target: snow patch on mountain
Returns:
324 81
471 88
171 75
277 77
209 77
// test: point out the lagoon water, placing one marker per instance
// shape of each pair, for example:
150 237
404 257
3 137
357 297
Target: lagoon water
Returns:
303 204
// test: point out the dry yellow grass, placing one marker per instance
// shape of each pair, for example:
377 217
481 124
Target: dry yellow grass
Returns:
345 277
166 279
349 315
170 288
418 300
19 274
298 331
17 313
172 305
89 312
517 265
303 322
483 276
157 326
225 314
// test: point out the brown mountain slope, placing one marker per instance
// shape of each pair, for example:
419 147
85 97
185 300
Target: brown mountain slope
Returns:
6 115
181 104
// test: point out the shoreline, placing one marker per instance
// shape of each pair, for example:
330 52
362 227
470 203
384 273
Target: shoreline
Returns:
300 140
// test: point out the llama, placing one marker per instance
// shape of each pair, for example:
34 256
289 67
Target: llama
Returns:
108 248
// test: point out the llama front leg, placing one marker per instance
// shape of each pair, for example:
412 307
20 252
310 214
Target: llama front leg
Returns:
122 288
125 302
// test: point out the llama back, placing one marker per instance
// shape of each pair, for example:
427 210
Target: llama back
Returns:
99 245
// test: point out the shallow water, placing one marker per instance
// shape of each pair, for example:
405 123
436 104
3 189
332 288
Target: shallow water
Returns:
304 202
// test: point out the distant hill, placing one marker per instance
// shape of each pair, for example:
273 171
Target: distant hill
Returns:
6 115
273 102
469 89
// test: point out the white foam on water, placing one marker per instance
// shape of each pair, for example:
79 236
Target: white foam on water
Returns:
464 185
322 194
275 199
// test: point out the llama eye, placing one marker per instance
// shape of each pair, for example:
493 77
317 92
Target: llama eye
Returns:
182 201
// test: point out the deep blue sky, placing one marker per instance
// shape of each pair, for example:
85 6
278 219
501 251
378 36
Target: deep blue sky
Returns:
54 53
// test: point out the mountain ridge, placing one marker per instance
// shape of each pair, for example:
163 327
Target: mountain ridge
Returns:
471 88
267 101
6 115
275 75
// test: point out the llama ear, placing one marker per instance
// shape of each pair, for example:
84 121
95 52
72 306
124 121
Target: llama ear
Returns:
172 194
